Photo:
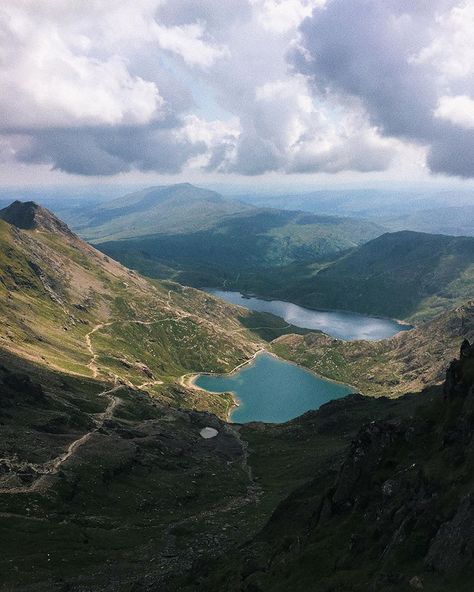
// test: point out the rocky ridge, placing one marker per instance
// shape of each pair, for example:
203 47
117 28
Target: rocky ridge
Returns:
398 516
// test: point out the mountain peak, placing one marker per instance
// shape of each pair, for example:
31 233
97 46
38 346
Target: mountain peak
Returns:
28 215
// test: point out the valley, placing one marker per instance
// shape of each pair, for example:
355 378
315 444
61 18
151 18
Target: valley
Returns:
236 296
338 324
199 238
271 390
106 481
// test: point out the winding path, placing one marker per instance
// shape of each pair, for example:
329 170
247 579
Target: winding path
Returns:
53 466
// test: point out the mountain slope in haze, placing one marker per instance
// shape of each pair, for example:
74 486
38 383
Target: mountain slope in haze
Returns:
454 221
170 209
404 274
65 305
372 204
199 238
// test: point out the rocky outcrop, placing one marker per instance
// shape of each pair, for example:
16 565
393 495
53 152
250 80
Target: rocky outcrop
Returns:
31 216
452 549
460 372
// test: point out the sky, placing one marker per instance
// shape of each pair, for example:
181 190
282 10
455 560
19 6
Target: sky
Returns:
251 93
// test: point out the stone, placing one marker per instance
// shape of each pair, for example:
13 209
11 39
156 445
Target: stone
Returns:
208 433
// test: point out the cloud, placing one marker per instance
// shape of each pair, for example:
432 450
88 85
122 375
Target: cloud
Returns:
400 62
458 110
48 79
237 87
187 41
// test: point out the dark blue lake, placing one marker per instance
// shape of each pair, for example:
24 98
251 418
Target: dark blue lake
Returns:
342 325
272 390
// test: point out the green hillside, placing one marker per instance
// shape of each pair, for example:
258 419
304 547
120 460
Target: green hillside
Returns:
177 209
405 275
198 238
71 308
107 484
406 363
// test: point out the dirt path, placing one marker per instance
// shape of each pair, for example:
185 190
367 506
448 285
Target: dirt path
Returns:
150 383
93 363
53 466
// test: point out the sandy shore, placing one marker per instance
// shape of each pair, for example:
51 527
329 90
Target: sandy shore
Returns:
188 380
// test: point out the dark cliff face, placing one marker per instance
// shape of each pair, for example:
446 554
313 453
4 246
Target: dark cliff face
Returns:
398 516
31 216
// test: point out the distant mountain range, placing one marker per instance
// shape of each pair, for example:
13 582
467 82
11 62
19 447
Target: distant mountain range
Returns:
175 209
442 212
453 220
199 238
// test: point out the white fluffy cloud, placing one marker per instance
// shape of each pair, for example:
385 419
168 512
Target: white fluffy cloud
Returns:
457 110
51 77
187 41
241 86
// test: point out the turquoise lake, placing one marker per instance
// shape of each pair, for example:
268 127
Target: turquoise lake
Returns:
342 325
272 390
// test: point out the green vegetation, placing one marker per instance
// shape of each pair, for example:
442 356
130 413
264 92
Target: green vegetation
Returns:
68 307
107 484
394 512
405 275
241 248
200 239
172 209
144 496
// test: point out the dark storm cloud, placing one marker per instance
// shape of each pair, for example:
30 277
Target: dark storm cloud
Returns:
372 51
108 151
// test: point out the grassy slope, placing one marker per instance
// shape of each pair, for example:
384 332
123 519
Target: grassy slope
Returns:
403 275
145 496
252 250
179 209
198 238
405 363
131 499
55 290
395 513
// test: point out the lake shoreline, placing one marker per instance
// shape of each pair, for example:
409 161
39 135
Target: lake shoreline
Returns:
189 380
249 296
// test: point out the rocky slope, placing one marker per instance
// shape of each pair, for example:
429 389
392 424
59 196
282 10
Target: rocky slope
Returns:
105 488
398 514
107 484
